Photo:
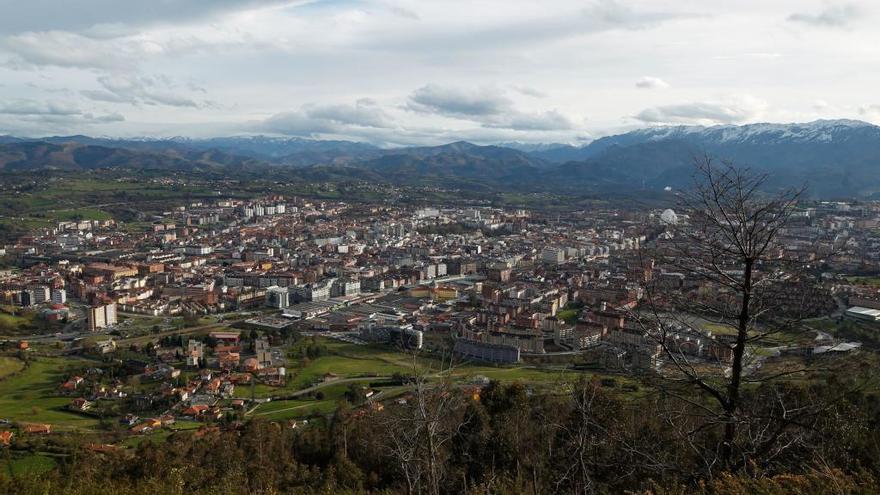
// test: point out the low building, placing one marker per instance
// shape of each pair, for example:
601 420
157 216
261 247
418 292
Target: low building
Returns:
482 351
864 314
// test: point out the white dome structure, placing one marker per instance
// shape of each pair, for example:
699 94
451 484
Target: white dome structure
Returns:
669 217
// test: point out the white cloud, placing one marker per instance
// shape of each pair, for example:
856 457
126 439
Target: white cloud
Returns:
488 106
383 124
457 102
33 107
649 82
550 120
364 113
831 16
334 119
456 69
36 117
156 90
529 91
47 14
733 110
65 49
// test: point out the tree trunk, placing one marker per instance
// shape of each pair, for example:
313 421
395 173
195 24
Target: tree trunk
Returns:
733 389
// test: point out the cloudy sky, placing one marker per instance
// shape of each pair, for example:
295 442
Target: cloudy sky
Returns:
398 72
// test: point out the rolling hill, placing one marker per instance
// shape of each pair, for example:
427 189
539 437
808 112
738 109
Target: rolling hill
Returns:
834 158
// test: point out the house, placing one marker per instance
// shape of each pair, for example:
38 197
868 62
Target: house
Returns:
129 420
72 384
273 376
238 378
228 360
226 337
142 429
213 387
223 348
162 371
37 428
109 392
251 365
6 437
147 426
195 411
195 353
80 405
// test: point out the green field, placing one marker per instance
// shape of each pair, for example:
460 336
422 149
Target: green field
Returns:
32 396
350 360
162 434
508 374
9 365
719 329
80 214
299 408
369 362
287 409
10 321
866 280
343 360
345 367
32 464
184 425
87 196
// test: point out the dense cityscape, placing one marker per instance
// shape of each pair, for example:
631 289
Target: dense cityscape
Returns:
377 247
213 314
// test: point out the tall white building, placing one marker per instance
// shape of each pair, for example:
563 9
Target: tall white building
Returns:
553 255
277 297
59 296
41 295
102 317
427 213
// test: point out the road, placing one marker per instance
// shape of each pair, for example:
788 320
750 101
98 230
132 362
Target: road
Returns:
315 388
155 336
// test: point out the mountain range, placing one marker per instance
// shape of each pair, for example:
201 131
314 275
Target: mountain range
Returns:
833 158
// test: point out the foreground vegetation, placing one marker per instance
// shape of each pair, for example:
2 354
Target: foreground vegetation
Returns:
507 440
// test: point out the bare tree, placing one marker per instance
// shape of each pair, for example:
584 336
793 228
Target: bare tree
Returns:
418 431
741 294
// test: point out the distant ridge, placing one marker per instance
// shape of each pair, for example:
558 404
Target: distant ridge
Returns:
834 158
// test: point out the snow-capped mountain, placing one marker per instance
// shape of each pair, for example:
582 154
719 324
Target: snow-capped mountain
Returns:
830 157
827 131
